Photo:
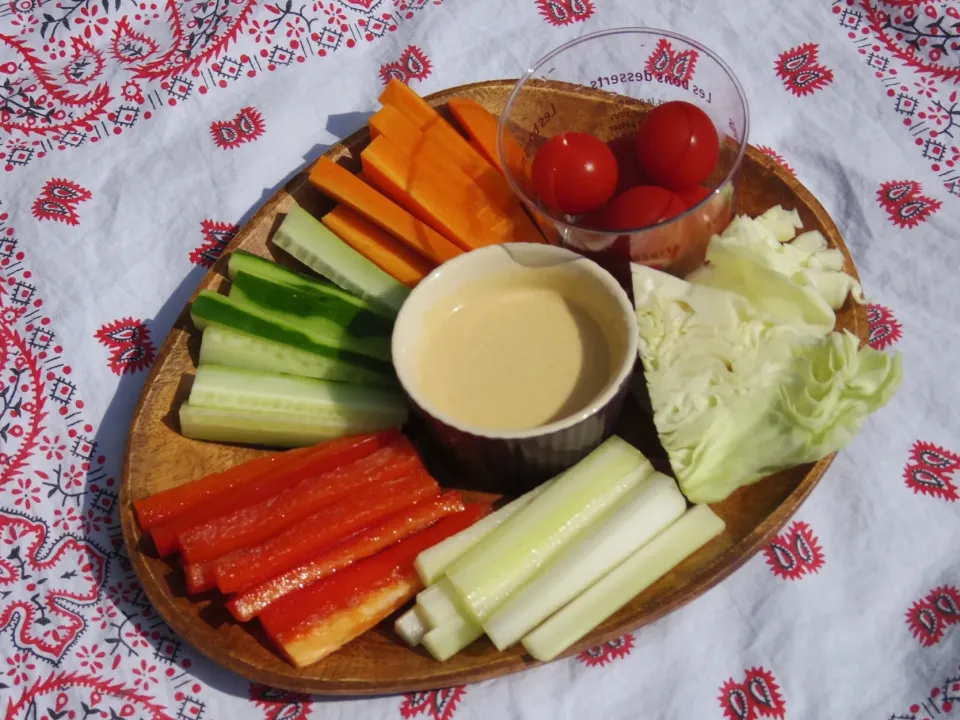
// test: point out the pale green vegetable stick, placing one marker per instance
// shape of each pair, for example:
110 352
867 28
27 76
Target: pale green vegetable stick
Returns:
638 572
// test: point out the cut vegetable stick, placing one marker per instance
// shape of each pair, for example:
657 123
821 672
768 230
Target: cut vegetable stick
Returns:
481 127
641 514
433 141
450 638
332 630
378 246
255 524
454 205
303 540
311 623
402 96
439 603
390 122
200 577
165 504
326 457
248 604
306 239
278 428
432 563
345 187
641 570
507 558
410 627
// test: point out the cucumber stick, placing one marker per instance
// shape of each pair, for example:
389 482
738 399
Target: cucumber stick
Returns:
223 346
432 562
450 638
313 244
211 309
509 556
645 511
359 329
242 261
234 405
411 627
268 429
615 589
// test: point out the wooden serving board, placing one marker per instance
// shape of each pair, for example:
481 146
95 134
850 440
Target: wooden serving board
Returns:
158 457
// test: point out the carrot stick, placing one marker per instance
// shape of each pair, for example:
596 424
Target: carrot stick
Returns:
454 205
481 127
345 187
168 503
402 96
378 246
325 457
248 604
252 525
309 624
244 568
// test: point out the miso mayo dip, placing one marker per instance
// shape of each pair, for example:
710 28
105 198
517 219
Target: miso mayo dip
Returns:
518 350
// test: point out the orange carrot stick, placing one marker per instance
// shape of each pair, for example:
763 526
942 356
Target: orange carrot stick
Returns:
344 186
378 246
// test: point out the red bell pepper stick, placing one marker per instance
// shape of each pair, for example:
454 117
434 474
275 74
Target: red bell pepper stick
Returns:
244 568
300 610
253 525
167 504
248 604
311 623
200 578
163 505
328 456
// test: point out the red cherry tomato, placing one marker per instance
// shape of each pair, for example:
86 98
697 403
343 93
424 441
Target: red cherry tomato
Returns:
678 145
574 173
638 207
693 195
629 173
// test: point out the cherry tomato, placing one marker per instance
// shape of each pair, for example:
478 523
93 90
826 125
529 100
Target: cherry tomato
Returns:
574 173
693 195
638 207
678 145
629 173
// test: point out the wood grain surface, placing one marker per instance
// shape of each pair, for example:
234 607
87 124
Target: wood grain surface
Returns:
378 662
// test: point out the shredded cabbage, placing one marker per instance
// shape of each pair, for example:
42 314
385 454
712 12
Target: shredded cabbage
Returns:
738 390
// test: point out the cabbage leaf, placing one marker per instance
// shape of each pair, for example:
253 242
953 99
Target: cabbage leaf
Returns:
739 391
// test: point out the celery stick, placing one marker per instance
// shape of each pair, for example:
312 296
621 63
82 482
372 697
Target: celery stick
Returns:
450 638
638 572
509 556
644 512
411 627
431 563
438 603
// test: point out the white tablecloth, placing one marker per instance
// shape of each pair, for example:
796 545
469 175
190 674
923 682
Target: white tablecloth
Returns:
137 135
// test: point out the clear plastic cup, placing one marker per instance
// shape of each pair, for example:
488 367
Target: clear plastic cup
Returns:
604 84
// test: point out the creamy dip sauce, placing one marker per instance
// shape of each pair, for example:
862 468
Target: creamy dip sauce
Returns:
516 354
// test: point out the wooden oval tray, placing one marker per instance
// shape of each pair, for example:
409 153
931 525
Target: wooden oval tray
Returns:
158 457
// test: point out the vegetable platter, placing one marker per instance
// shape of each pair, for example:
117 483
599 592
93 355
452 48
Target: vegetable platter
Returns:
378 661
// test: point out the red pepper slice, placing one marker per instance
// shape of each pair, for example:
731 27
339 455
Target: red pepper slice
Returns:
200 578
244 568
167 504
392 529
260 522
300 613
